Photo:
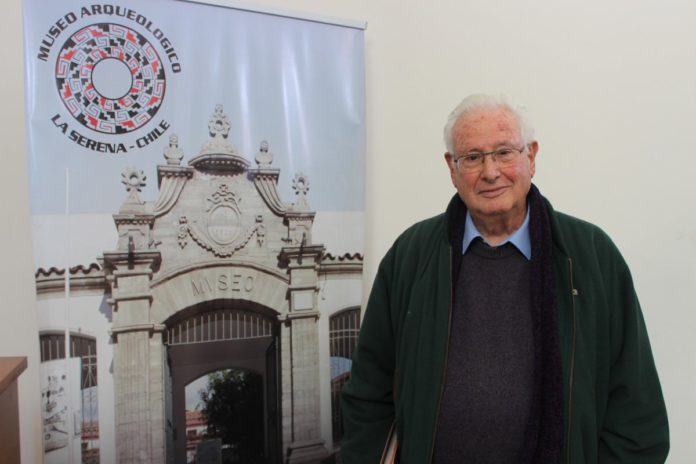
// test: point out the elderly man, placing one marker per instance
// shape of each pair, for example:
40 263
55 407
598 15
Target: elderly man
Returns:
503 331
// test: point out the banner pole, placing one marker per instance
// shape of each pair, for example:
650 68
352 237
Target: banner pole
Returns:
68 383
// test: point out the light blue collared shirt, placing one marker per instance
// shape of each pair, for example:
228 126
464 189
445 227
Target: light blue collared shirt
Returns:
520 238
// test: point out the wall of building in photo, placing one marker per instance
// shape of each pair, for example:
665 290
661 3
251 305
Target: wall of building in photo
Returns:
219 276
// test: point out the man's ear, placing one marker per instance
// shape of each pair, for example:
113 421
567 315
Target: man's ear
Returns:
533 148
449 159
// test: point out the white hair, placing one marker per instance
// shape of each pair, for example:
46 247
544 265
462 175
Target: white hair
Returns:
476 102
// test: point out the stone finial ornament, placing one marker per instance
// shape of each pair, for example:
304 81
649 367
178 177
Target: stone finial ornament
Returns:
300 184
219 127
219 123
264 158
133 178
173 154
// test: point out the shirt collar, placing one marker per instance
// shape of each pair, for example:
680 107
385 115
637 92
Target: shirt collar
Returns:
519 238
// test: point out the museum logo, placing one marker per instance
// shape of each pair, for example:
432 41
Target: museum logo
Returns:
110 77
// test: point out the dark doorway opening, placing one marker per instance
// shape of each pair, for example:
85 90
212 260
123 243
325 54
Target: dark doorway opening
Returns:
228 419
229 360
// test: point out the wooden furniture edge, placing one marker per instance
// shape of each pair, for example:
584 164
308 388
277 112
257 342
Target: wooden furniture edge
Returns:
10 368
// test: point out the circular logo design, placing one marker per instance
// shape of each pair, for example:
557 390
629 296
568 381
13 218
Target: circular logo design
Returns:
110 78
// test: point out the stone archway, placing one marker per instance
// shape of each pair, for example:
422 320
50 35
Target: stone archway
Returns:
219 231
220 335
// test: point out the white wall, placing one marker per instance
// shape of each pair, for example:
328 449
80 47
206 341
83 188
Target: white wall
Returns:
18 321
610 84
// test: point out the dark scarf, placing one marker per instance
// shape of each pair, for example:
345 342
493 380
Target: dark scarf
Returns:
544 437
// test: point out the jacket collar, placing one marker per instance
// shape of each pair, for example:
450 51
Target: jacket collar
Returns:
455 218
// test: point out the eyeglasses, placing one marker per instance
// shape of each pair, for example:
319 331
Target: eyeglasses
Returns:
473 161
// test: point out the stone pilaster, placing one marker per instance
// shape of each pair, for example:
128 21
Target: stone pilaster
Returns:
306 444
138 358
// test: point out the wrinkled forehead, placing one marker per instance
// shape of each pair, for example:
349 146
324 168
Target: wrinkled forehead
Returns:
486 126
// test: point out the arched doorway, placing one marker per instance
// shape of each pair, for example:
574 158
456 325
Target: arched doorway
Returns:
233 344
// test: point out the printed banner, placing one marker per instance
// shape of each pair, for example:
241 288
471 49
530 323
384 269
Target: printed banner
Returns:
197 194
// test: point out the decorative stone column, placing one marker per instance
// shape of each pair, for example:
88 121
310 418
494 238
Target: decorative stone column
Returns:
138 358
139 390
302 262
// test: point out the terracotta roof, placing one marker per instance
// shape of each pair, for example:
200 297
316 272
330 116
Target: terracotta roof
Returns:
81 269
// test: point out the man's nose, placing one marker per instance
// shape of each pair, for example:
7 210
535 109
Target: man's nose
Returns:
489 170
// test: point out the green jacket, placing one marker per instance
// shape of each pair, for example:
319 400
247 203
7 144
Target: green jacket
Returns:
613 406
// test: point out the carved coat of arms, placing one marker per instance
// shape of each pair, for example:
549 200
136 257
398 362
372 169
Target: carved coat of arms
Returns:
221 230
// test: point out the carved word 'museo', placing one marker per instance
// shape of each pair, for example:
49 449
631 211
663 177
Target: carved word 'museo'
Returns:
224 282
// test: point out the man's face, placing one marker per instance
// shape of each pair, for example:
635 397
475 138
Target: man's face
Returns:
492 192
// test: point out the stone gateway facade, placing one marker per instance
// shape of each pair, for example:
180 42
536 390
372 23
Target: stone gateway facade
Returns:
219 272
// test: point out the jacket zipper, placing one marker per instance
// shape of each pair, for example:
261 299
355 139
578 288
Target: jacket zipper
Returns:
574 293
444 369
